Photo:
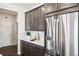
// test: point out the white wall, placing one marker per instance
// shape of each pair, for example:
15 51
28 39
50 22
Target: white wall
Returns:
20 18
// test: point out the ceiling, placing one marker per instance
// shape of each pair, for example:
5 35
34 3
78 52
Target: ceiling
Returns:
28 6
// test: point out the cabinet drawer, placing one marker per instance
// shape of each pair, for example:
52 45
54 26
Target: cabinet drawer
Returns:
24 43
36 46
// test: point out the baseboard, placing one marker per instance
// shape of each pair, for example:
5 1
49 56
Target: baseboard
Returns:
8 46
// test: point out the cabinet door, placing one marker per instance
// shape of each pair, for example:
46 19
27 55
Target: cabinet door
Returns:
33 51
42 19
50 7
31 20
24 48
66 5
27 24
36 18
39 18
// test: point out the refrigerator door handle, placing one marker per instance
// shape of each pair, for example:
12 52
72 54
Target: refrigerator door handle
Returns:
57 37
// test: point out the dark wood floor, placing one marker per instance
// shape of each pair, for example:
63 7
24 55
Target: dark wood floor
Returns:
9 50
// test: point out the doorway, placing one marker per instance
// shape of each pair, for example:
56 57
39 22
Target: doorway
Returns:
8 29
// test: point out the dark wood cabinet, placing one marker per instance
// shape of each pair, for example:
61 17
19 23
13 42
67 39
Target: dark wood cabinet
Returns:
50 7
30 49
39 19
35 19
35 50
24 48
42 19
31 20
27 21
66 5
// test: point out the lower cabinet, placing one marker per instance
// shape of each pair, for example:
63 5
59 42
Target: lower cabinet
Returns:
30 49
24 48
35 50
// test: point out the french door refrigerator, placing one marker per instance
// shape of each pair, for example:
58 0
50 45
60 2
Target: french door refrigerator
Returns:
62 35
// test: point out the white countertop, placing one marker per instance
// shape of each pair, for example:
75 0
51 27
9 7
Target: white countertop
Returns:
37 42
33 35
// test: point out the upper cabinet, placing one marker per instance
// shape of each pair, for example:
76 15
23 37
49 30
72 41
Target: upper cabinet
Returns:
42 19
39 19
50 7
27 21
31 20
34 19
66 5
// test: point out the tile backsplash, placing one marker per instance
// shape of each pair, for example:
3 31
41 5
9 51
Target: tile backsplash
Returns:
34 34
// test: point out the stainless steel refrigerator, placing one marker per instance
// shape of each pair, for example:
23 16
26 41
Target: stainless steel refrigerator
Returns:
62 35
